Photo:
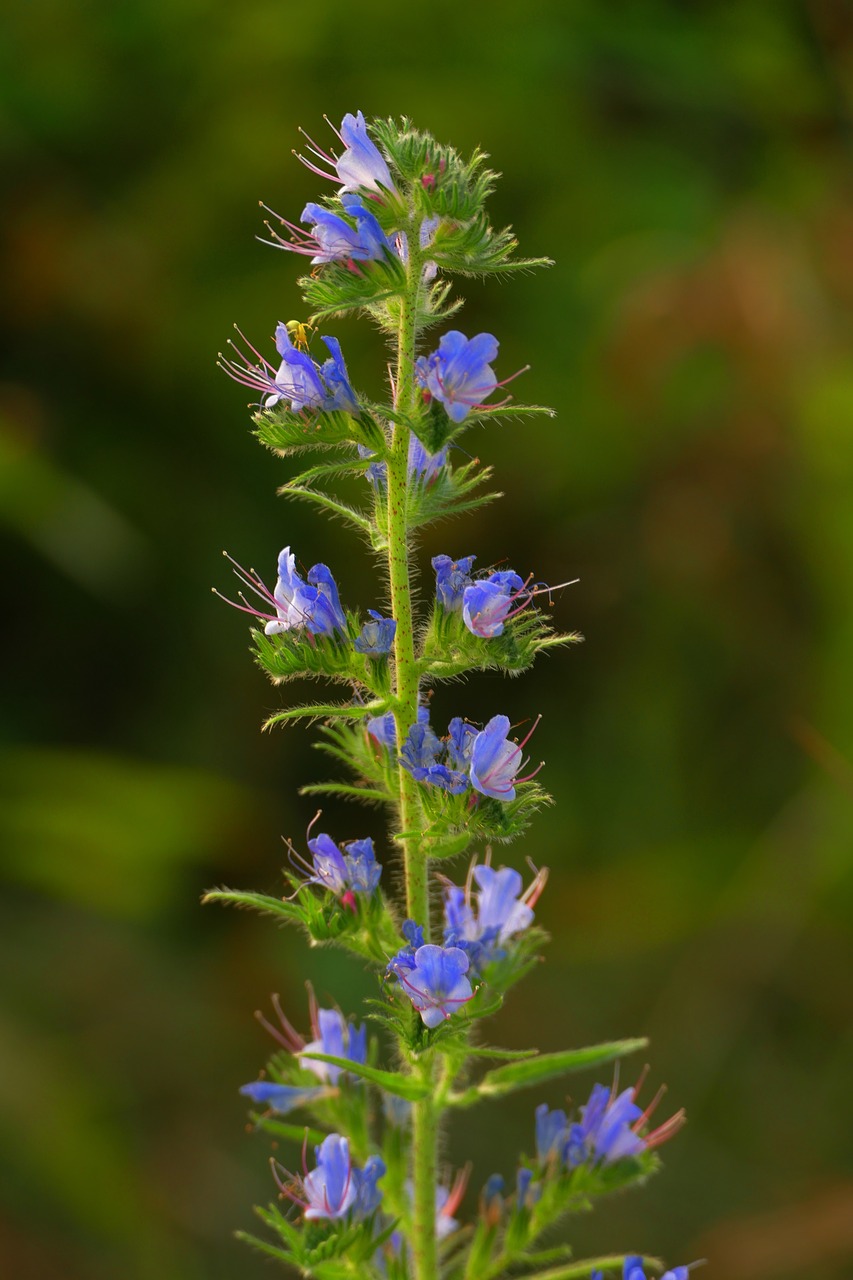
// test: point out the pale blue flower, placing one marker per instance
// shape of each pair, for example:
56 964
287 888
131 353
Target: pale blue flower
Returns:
377 636
434 980
459 373
337 240
342 868
330 1189
337 1038
495 761
606 1131
487 604
362 165
451 579
282 1098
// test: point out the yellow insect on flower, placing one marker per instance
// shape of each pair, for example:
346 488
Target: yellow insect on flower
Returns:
299 333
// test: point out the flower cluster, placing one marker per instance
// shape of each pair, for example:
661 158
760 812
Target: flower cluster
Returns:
405 214
467 757
332 1035
336 1188
611 1127
432 977
343 869
311 605
299 381
483 923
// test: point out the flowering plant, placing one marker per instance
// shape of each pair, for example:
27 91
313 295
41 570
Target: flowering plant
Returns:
408 215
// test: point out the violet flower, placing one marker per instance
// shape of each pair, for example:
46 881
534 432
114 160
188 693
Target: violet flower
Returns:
452 577
495 761
459 373
434 980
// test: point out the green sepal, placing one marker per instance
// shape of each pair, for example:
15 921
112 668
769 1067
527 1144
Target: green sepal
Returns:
336 291
354 748
369 931
295 654
453 824
286 432
546 1066
450 649
315 1247
409 1087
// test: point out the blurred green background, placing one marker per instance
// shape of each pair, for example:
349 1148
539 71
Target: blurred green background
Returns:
688 165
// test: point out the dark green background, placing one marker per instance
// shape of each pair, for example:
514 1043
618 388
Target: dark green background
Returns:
688 167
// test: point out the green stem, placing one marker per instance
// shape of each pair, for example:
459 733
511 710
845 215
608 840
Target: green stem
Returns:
407 678
406 665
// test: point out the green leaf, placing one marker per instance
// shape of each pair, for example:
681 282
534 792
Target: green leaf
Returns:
292 1132
320 499
486 1051
251 901
546 1066
368 795
324 711
409 1087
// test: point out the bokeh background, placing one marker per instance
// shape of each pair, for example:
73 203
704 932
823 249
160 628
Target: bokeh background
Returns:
688 167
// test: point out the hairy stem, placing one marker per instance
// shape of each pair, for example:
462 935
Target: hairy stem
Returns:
425 1118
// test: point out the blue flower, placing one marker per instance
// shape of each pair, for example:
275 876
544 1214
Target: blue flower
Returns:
362 164
487 604
339 871
337 240
330 1189
330 870
282 1098
423 467
368 1197
384 730
339 393
501 912
421 751
299 381
495 761
492 1199
525 1194
459 373
363 870
607 1130
314 607
335 1036
376 636
632 1269
451 579
552 1131
434 980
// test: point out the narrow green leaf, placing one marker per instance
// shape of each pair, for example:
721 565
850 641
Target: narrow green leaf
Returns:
323 711
254 901
293 1132
271 1250
369 795
409 1087
486 1051
546 1066
330 504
